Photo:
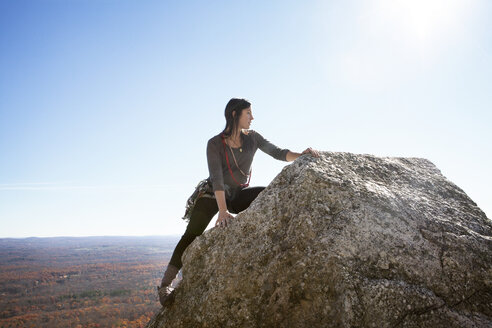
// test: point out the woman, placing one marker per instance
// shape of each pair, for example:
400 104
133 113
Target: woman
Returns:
229 157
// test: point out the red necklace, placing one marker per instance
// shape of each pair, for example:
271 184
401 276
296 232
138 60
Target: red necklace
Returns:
243 185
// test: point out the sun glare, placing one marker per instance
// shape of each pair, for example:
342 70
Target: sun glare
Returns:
425 22
394 39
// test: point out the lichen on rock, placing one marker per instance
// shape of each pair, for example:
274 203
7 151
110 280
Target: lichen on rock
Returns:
343 240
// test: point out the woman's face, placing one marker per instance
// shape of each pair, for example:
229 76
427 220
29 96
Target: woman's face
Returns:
245 118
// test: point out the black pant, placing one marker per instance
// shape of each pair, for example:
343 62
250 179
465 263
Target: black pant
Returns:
204 210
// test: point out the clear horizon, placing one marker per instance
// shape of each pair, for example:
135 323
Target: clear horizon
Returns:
106 106
95 236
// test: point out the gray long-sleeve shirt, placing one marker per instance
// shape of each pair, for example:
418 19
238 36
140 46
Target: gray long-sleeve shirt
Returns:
217 165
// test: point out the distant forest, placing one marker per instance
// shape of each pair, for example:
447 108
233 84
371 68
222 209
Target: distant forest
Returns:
81 282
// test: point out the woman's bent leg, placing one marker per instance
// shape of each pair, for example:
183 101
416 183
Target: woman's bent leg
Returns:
204 211
245 198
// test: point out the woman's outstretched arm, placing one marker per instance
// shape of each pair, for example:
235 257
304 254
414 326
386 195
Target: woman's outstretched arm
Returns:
292 156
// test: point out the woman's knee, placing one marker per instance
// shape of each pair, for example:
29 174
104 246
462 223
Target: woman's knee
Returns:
245 198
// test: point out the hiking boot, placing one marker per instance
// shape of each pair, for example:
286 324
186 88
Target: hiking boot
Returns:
166 295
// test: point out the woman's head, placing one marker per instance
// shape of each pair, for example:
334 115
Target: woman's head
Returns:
232 113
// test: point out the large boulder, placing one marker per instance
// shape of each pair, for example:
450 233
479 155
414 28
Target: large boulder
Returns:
344 240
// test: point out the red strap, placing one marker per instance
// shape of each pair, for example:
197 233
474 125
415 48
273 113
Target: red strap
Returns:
230 170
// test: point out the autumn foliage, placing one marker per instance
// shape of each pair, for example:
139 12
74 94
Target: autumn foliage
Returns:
81 282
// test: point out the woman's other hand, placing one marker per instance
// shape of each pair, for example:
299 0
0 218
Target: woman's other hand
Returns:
224 219
292 156
311 151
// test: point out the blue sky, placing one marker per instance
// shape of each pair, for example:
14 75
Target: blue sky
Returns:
106 106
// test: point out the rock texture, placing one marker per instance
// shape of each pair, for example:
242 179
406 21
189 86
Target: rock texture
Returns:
343 241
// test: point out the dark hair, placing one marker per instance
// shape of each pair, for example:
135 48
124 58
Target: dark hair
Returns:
235 105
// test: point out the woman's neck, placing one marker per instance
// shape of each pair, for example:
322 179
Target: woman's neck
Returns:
235 135
235 138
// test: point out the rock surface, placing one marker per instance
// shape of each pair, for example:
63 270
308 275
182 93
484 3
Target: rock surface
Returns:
344 240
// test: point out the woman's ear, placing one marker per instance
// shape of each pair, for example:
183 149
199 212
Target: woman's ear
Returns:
233 114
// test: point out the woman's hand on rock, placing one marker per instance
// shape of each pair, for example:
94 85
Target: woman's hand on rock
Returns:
311 151
224 219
